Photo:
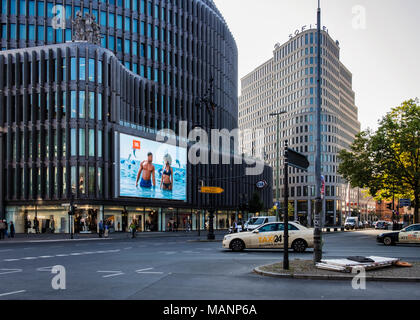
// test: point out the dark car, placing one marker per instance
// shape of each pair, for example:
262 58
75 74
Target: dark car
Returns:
388 239
411 235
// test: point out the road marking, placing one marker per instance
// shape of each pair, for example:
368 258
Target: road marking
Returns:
45 269
6 250
146 271
10 293
167 252
64 255
7 271
113 273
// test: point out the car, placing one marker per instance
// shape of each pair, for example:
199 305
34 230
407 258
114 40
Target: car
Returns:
351 223
382 225
271 236
410 234
260 221
248 222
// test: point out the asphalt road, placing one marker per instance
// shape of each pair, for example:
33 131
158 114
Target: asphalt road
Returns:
176 268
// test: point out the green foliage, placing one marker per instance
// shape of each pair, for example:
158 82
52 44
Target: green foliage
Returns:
387 160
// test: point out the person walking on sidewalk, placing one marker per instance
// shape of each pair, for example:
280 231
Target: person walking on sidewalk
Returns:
2 229
133 228
101 228
12 230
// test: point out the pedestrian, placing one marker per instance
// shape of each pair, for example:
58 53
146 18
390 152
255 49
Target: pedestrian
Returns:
12 230
119 226
6 231
235 226
36 225
2 229
106 230
133 229
101 228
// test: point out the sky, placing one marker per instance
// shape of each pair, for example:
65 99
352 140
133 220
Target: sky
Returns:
379 41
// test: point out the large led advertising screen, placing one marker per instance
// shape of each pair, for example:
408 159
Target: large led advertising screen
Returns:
150 169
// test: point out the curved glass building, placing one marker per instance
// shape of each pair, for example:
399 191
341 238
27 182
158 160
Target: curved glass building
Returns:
66 107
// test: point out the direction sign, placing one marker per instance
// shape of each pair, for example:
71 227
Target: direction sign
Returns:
213 190
297 159
405 203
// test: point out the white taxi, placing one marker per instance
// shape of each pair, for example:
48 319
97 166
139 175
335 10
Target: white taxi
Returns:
271 236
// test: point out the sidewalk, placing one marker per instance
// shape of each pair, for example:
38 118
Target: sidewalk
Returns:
34 238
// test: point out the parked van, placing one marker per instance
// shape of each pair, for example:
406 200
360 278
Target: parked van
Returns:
260 221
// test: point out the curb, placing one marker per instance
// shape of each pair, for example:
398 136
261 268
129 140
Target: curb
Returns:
257 270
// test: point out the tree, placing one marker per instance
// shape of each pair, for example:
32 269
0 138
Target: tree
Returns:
387 161
255 204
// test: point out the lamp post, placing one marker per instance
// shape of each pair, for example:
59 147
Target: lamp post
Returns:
277 115
318 199
207 100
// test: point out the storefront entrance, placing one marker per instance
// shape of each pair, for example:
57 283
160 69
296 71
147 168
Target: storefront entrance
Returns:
86 221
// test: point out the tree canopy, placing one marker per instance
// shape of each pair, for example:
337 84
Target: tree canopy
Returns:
387 161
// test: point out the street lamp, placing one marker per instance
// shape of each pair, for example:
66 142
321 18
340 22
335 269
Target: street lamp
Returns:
277 115
318 198
207 100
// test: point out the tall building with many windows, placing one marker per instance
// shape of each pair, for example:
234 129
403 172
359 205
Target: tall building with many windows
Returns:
77 119
288 82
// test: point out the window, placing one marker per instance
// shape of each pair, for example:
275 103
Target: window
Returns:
100 143
73 141
99 71
82 144
82 69
291 227
73 69
82 113
91 142
91 105
22 31
269 227
92 180
73 104
82 180
92 70
99 107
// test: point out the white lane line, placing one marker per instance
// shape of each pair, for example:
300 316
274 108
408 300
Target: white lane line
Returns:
113 273
10 293
44 269
7 271
63 255
146 271
6 250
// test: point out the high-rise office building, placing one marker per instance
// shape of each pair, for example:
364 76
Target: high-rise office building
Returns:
288 82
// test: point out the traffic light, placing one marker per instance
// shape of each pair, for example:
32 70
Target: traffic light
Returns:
389 206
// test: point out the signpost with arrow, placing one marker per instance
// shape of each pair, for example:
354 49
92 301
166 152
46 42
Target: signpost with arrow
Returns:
299 161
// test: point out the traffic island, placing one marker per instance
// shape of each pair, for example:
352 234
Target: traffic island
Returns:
305 269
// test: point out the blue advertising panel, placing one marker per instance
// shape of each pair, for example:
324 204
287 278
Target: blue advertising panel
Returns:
151 169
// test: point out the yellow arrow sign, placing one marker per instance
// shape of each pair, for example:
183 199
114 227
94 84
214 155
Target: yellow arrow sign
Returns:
214 190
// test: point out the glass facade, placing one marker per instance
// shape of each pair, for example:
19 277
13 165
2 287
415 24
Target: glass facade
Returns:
69 99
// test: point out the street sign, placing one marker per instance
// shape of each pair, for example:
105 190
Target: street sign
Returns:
297 159
261 184
212 190
405 203
65 204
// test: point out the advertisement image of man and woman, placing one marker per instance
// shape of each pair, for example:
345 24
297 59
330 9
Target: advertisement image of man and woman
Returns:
150 169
